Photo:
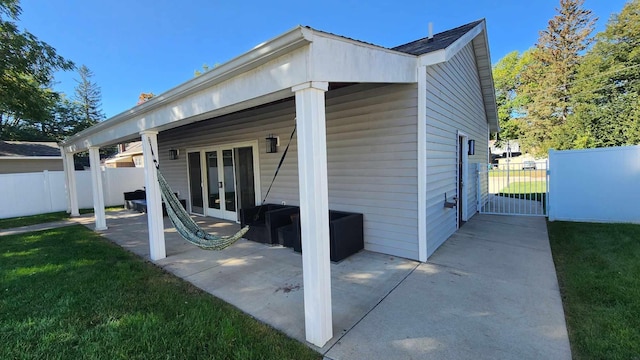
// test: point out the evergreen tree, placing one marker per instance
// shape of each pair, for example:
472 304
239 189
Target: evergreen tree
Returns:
88 96
608 86
548 80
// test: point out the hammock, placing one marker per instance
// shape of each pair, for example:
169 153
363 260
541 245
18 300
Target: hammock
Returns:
187 227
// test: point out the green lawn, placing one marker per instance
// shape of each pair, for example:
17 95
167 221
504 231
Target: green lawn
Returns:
44 218
598 268
67 293
516 173
525 187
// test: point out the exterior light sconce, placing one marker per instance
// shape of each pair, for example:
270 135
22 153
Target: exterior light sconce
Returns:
472 147
272 144
173 154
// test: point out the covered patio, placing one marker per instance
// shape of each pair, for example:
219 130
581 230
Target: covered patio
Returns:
264 281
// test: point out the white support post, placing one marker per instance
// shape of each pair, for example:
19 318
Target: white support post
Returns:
314 210
70 179
96 185
66 179
157 247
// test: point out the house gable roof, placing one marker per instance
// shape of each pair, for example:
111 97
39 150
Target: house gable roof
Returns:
437 42
26 149
270 70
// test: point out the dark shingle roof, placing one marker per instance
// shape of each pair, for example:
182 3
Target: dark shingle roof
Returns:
439 41
28 148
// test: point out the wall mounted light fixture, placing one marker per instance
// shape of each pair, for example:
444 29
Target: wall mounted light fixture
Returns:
272 144
173 154
472 147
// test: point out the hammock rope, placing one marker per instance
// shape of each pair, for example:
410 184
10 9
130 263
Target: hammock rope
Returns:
184 223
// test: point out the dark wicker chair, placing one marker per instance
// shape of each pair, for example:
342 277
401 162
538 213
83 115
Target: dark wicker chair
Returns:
346 235
264 221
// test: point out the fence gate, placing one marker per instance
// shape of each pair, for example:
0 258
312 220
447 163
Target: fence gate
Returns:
514 189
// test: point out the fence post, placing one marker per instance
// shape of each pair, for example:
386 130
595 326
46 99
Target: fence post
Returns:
552 216
47 190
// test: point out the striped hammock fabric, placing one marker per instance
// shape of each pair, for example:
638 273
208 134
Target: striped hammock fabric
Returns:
187 227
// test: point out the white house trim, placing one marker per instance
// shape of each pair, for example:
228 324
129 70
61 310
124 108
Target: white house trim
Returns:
422 163
465 170
262 75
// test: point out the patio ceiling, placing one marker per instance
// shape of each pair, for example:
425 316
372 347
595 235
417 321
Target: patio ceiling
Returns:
262 75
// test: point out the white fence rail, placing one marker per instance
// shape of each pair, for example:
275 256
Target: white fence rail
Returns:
39 193
513 189
597 185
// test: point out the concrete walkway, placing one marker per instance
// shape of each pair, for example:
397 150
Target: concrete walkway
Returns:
490 292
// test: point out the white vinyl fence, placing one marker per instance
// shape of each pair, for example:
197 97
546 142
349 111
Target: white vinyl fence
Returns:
39 193
596 185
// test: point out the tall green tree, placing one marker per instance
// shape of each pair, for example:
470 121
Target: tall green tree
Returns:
27 66
507 77
608 86
88 96
550 76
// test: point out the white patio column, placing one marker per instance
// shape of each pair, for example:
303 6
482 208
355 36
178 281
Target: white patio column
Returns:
70 182
96 185
157 247
314 210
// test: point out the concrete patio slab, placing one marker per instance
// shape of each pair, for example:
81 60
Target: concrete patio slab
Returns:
265 281
479 297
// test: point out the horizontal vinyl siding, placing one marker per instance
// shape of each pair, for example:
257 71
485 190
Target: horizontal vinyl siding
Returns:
371 157
454 103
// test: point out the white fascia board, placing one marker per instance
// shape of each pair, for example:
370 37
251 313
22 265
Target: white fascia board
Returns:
259 55
450 51
337 59
30 157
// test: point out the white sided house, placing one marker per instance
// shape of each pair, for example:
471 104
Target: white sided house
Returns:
394 134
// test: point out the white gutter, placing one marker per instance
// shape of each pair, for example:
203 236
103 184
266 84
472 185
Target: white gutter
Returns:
291 40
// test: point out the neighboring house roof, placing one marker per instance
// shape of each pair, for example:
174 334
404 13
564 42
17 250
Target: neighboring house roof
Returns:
437 42
269 71
28 149
132 148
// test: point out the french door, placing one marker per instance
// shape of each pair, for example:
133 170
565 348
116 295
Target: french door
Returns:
221 184
222 180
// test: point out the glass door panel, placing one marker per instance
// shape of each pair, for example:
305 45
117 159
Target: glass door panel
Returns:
195 183
246 188
213 180
229 181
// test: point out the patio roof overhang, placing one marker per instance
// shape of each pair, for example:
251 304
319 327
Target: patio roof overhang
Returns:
264 74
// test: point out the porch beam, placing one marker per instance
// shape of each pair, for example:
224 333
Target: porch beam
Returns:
70 182
96 186
314 210
157 247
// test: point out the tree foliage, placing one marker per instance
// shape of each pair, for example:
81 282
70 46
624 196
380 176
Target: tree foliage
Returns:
507 76
549 77
607 89
27 66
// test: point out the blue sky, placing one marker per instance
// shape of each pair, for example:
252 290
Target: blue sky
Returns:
154 45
